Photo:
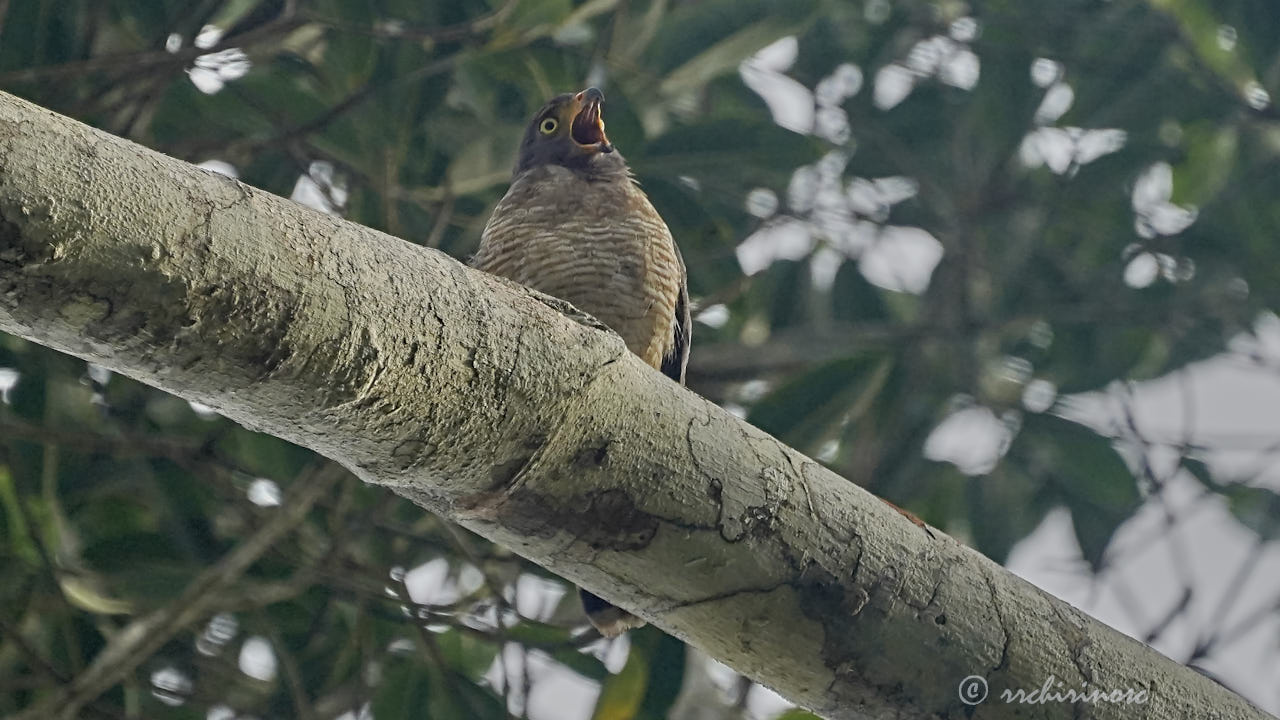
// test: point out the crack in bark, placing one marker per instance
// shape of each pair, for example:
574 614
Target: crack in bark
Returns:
1077 642
721 596
508 477
1004 628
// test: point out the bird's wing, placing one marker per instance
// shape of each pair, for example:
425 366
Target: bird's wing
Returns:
674 365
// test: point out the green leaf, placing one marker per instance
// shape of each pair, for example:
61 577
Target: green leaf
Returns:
1257 508
401 694
1083 471
1006 493
700 39
15 528
468 654
585 665
760 153
622 694
726 55
666 677
1202 25
800 410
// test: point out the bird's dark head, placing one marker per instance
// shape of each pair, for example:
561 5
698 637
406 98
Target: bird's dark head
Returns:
569 131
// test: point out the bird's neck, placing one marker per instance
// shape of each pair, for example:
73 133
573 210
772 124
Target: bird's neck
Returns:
599 167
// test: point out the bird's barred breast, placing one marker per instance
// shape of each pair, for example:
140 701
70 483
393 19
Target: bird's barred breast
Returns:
599 245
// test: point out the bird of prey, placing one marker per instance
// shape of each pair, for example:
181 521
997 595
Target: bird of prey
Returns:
575 225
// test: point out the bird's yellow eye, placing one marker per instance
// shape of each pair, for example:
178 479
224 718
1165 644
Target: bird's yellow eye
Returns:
548 126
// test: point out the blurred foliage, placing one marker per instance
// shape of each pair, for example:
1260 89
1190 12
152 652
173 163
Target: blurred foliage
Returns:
1096 180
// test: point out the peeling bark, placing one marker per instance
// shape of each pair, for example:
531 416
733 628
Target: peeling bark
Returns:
519 418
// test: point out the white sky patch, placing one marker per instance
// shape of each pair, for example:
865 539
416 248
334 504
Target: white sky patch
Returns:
555 691
874 198
961 70
1148 559
222 167
1064 149
1056 102
1229 405
1045 72
973 439
1039 395
98 374
777 56
790 102
264 492
536 596
364 713
1154 213
786 239
892 85
753 390
761 202
220 712
948 59
258 659
321 188
436 582
824 264
928 55
8 381
843 83
1256 95
210 73
221 629
171 686
855 237
965 29
832 124
1263 343
1141 271
202 411
714 316
802 189
765 703
208 36
902 259
429 583
1227 37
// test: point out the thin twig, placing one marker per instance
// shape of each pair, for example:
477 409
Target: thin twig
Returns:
142 637
448 33
141 61
119 446
33 656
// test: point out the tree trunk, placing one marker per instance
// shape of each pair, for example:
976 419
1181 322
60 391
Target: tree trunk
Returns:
517 417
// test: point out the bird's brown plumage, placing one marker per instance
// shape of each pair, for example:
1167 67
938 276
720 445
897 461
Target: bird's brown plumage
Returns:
598 245
574 224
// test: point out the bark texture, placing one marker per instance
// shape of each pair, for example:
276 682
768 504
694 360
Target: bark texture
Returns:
519 418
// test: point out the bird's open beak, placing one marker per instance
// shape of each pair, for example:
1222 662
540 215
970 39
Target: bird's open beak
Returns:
588 122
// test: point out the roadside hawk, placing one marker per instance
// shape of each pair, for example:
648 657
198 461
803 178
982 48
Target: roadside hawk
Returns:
575 225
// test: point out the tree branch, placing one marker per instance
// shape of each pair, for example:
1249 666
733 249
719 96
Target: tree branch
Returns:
480 402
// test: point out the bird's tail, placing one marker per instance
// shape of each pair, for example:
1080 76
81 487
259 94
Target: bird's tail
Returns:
608 618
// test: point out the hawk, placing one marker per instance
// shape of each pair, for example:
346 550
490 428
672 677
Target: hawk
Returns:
575 225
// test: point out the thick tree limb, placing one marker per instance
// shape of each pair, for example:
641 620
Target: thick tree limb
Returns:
480 402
